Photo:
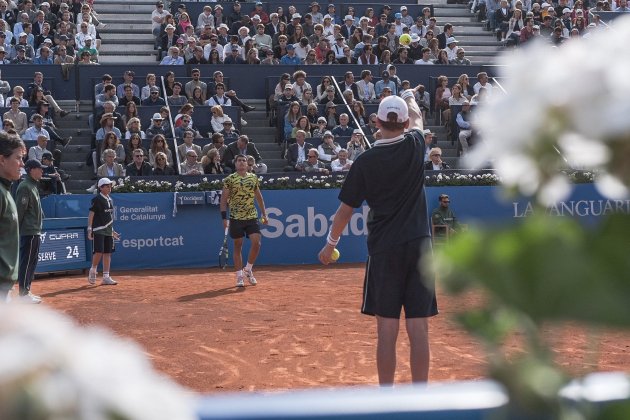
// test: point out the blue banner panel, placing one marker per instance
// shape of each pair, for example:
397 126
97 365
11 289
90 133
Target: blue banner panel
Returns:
64 246
157 231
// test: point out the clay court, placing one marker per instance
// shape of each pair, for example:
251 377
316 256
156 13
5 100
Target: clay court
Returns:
300 327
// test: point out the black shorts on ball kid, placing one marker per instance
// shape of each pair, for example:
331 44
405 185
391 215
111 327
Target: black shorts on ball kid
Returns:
103 244
393 281
241 228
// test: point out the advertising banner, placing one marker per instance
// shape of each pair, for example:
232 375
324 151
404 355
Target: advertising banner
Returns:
163 230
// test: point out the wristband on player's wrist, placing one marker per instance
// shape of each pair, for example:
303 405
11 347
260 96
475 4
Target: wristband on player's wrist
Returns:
407 94
89 229
224 215
331 241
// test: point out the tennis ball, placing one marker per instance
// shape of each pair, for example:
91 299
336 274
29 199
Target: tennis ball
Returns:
405 39
335 255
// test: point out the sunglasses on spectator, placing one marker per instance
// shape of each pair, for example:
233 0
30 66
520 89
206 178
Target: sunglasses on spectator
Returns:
312 156
160 158
138 156
436 154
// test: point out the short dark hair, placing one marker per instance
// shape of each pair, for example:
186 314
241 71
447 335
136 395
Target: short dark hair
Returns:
8 144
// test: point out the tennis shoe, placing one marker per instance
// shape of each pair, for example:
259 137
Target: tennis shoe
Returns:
92 277
108 281
250 276
239 281
31 298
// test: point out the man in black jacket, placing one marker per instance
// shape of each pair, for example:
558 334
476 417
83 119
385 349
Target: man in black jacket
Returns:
242 146
139 167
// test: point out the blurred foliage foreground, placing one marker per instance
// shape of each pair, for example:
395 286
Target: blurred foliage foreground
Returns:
545 270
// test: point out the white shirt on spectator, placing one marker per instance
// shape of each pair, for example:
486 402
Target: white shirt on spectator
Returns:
208 48
23 102
32 133
337 166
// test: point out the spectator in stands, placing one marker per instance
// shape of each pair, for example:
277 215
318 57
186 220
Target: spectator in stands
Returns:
139 167
312 164
172 58
197 56
217 142
156 127
211 163
329 96
176 99
44 56
134 126
18 93
113 143
169 39
312 113
49 125
435 163
367 56
62 55
329 148
36 152
204 19
86 58
460 59
161 167
502 17
342 163
254 167
320 129
482 82
131 111
290 58
444 36
134 142
386 81
217 118
330 58
297 152
151 82
465 128
16 116
302 124
21 57
3 55
219 98
343 129
365 87
108 95
53 178
442 58
229 132
38 82
234 57
358 112
128 76
196 83
271 60
294 112
252 56
442 94
182 149
158 16
107 126
154 98
190 166
128 97
100 87
356 145
241 146
403 56
159 144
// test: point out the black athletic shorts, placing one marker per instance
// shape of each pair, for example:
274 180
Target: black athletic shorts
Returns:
240 228
394 281
103 244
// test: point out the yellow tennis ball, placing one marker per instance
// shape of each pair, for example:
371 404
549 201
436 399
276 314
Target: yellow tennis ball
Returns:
335 255
405 39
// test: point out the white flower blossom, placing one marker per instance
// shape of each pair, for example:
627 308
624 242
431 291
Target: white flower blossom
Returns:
55 368
562 107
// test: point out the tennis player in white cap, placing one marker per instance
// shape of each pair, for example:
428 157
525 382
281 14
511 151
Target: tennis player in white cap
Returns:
389 177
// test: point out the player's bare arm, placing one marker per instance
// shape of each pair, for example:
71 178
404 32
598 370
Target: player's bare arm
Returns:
225 193
261 205
341 219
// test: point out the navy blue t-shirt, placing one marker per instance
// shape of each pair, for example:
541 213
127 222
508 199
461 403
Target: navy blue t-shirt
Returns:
390 178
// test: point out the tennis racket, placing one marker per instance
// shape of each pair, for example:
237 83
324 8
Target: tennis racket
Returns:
223 252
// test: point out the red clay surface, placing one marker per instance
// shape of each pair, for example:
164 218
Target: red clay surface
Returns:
300 327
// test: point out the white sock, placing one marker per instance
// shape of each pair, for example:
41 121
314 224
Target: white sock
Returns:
239 272
249 267
105 273
93 268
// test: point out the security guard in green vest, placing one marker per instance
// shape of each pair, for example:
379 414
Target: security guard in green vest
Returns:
12 151
29 207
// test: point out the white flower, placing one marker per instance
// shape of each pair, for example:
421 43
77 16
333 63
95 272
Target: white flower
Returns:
563 107
63 370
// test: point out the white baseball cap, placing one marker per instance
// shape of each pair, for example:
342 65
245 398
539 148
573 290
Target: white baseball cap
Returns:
393 104
104 181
